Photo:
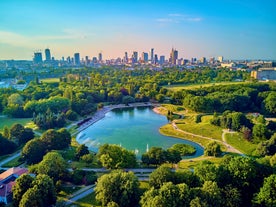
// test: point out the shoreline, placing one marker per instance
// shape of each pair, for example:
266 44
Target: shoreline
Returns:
100 114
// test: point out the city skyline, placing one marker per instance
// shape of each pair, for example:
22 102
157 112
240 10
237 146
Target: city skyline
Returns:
233 29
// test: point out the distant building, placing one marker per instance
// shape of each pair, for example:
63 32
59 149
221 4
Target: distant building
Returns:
269 64
264 74
155 59
100 57
145 57
135 57
37 57
203 60
126 57
173 56
77 58
220 59
152 55
7 181
162 60
47 55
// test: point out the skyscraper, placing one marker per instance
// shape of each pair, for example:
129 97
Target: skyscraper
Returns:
135 57
47 55
173 56
77 58
37 57
220 59
100 57
155 59
162 60
126 57
145 57
152 55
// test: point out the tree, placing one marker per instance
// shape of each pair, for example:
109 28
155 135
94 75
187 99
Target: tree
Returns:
260 132
211 194
168 195
115 157
23 183
231 196
20 135
119 187
6 146
173 156
56 140
184 149
212 149
31 198
155 156
81 150
33 151
267 194
159 176
6 132
53 165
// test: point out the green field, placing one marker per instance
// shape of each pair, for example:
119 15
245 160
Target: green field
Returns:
237 141
203 128
6 121
195 86
50 80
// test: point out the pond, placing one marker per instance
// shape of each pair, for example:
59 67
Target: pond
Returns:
135 129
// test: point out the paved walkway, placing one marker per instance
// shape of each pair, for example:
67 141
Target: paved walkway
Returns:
228 146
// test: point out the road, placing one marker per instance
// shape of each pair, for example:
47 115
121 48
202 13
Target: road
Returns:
9 159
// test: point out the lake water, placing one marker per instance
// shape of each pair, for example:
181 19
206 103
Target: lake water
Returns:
134 129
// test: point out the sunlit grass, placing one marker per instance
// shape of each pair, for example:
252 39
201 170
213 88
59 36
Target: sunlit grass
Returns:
196 86
6 121
237 141
50 80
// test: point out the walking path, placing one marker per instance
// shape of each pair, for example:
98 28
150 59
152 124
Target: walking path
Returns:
228 146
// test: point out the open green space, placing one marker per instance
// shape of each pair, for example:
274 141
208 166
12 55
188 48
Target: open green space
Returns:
237 141
204 128
6 121
13 163
195 86
87 201
50 80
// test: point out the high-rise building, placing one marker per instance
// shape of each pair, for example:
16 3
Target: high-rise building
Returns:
162 60
47 55
135 57
220 59
77 58
145 57
37 57
173 56
100 57
155 59
203 60
126 57
152 55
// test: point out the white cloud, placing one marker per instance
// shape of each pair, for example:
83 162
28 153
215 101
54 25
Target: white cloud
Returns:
178 18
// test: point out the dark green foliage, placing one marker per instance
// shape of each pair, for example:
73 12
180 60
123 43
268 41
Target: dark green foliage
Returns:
184 149
20 135
159 176
115 157
213 149
80 177
33 151
119 187
81 150
6 146
267 147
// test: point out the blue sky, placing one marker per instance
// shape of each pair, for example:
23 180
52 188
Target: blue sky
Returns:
235 29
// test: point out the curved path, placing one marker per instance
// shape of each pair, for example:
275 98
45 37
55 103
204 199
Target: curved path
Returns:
228 146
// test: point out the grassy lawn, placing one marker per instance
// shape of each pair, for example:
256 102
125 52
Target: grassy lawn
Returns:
50 80
203 128
195 86
188 164
237 141
66 191
6 121
169 131
13 163
87 201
